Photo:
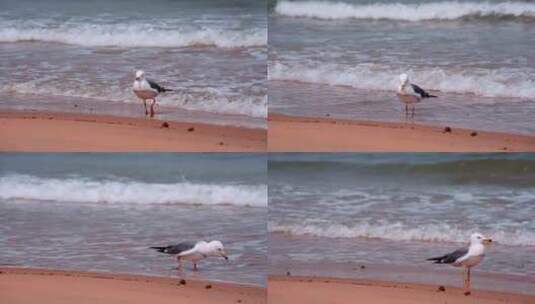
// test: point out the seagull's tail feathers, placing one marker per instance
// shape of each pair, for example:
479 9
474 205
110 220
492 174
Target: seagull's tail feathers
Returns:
437 260
159 249
427 95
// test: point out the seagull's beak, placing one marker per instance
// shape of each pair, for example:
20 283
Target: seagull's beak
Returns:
224 255
487 240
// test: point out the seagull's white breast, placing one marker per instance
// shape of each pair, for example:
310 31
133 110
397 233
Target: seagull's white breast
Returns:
407 95
143 90
470 261
475 255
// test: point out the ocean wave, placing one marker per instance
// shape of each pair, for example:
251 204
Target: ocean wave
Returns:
123 35
84 190
502 82
209 100
403 232
441 11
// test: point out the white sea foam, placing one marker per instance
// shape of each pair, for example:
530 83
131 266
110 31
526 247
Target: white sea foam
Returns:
124 35
250 106
483 82
446 10
403 232
83 190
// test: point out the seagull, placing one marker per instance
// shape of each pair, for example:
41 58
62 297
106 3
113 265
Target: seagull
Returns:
467 257
146 89
194 252
410 94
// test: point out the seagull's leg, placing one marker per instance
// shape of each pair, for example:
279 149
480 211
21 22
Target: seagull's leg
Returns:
413 110
406 110
152 107
194 266
464 279
145 104
467 281
179 259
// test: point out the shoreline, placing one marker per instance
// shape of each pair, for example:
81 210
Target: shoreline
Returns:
311 289
319 134
43 131
64 286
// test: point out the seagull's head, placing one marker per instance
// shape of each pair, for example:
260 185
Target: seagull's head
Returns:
217 249
403 78
140 75
478 238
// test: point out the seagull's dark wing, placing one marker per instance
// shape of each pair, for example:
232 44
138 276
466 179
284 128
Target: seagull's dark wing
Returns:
175 249
155 86
421 91
450 257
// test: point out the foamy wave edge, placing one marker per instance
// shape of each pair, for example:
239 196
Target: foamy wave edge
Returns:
401 232
210 101
249 106
83 190
485 83
446 10
101 36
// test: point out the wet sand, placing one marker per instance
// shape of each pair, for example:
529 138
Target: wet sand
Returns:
300 134
289 289
38 131
54 286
